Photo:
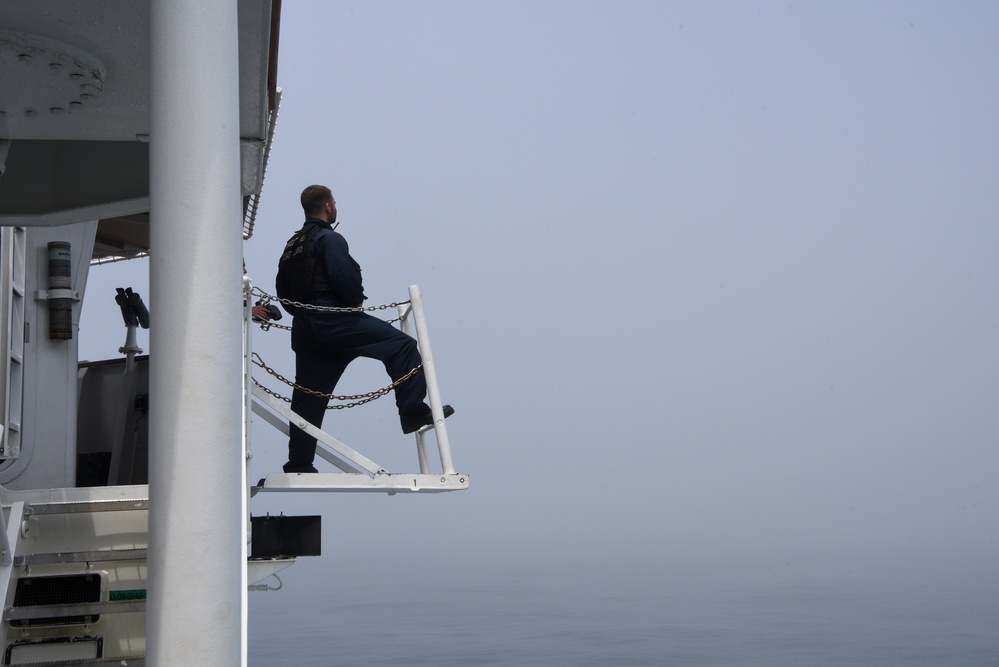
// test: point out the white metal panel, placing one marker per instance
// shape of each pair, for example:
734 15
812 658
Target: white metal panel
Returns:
48 414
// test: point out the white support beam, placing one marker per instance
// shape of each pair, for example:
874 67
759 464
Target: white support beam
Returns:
281 425
331 450
80 214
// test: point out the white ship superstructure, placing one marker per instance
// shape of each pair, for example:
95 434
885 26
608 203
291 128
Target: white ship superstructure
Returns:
130 129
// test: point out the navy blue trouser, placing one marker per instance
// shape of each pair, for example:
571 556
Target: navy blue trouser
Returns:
324 345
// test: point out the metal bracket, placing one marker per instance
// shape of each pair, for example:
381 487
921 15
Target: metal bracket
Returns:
45 295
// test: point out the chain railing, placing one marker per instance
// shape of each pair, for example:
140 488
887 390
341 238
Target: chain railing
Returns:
357 399
266 298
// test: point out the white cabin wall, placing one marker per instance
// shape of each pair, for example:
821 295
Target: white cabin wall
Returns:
49 422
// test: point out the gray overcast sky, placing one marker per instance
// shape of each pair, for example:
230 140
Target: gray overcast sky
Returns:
710 280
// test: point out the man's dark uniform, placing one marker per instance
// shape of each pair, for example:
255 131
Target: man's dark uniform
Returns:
316 268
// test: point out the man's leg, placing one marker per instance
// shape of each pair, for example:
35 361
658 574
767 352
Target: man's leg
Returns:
319 372
375 339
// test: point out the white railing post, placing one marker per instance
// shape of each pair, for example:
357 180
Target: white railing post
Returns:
433 392
406 325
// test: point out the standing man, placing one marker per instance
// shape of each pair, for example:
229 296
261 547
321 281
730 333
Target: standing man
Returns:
316 269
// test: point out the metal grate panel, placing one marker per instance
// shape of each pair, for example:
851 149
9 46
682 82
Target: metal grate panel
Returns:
57 590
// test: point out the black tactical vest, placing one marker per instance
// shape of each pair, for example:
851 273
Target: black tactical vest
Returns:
300 273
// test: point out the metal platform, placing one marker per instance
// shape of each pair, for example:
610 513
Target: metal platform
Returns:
381 482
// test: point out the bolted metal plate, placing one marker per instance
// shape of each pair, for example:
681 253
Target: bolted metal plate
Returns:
43 77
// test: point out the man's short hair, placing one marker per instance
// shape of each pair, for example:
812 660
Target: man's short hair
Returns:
315 197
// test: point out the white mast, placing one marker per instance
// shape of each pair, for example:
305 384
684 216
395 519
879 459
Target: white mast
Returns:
197 550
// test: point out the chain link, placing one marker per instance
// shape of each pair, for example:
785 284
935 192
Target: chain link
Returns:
267 324
356 399
266 298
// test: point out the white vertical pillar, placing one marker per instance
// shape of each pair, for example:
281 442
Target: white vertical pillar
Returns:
196 547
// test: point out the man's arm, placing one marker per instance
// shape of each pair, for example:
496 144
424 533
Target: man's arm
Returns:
343 272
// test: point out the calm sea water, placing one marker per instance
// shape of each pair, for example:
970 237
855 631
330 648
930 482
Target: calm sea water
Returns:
646 616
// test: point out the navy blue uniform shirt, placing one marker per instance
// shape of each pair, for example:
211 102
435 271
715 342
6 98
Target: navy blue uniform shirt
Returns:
343 272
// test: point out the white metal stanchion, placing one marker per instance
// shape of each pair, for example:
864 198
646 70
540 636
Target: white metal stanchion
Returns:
433 392
406 324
